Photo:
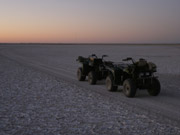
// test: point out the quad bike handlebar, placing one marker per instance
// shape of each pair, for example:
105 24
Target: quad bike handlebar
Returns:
128 59
93 55
104 56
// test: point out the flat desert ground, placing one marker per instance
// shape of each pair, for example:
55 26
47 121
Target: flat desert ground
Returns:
40 94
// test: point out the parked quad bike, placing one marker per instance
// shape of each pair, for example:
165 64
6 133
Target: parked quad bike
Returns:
137 75
93 67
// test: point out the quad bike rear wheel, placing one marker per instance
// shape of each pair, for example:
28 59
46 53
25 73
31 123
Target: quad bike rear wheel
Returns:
80 75
92 78
129 88
110 84
155 87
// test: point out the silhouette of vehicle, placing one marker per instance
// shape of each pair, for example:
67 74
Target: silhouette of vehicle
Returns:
93 67
137 75
132 76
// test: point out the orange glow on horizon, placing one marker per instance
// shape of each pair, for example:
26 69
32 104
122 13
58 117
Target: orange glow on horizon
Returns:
45 21
29 32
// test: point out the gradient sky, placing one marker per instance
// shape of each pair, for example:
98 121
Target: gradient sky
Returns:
115 21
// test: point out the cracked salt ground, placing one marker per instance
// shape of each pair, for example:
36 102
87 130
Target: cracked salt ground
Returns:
32 102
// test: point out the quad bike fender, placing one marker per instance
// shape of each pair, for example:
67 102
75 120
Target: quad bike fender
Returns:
116 76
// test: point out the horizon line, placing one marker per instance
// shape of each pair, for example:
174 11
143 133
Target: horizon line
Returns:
93 43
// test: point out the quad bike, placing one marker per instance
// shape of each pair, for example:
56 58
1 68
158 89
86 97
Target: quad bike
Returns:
138 75
133 76
93 67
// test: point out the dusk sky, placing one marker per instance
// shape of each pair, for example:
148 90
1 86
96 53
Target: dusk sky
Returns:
97 21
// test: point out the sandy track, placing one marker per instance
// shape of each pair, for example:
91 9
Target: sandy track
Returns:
60 61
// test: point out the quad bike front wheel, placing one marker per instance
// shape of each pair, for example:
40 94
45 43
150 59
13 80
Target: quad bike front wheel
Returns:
155 87
92 78
109 84
129 88
80 75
